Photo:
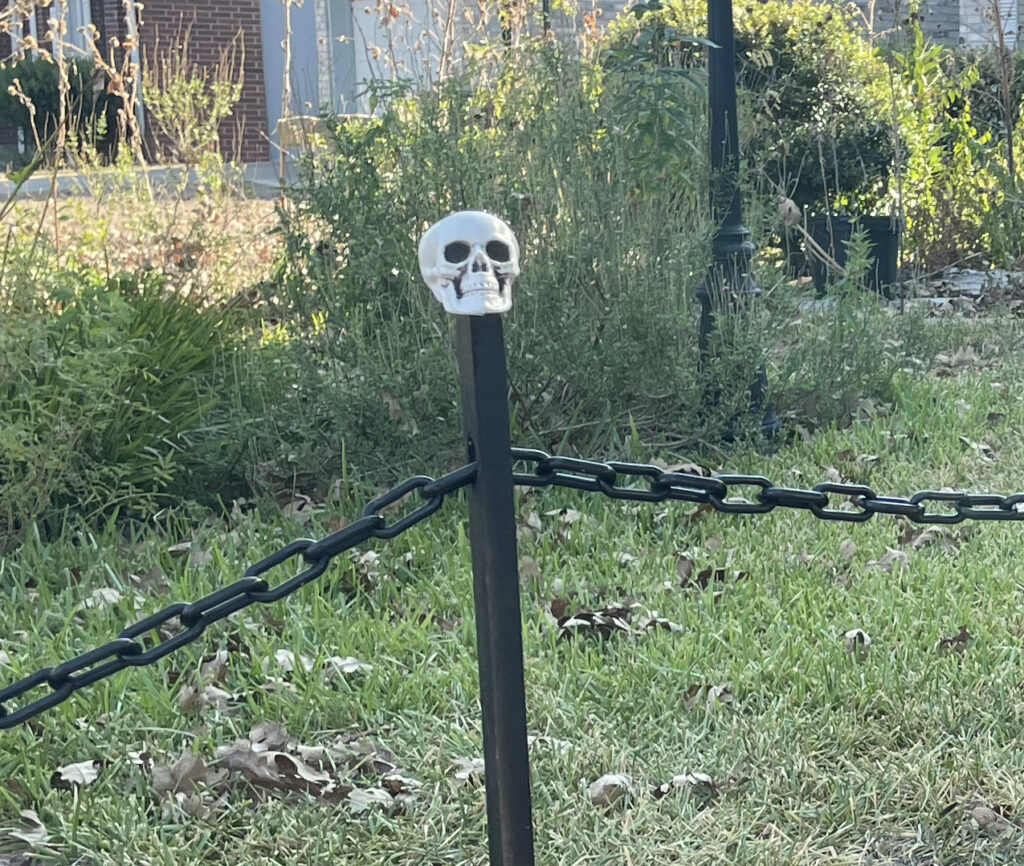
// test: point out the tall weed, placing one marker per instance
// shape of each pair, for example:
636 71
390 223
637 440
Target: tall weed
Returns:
615 234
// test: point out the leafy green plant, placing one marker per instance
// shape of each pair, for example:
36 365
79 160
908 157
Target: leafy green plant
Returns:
813 96
190 103
613 219
946 181
104 389
38 83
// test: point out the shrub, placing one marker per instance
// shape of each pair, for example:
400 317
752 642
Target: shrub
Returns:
944 178
615 231
814 96
103 387
38 80
188 103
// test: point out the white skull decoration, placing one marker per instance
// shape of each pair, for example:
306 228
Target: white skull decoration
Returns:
470 260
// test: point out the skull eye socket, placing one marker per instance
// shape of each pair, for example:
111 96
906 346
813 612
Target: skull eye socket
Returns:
498 251
456 252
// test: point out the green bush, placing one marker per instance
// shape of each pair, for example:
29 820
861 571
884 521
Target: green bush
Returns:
39 82
944 178
815 104
614 227
104 390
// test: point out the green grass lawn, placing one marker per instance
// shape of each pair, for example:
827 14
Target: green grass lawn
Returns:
911 755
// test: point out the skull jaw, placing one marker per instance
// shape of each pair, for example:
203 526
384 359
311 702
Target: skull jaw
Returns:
474 295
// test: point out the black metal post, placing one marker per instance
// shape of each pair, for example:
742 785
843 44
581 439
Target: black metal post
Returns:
492 537
728 284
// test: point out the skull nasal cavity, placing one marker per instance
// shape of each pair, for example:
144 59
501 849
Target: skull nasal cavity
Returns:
456 252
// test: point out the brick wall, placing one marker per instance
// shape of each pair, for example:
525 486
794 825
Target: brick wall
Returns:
108 19
213 25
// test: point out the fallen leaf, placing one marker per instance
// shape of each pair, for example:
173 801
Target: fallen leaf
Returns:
214 670
277 686
720 695
698 514
82 774
198 557
568 516
183 776
691 697
180 549
981 449
287 660
105 596
958 642
364 799
269 736
610 789
347 666
300 510
602 623
700 782
684 569
847 549
857 642
396 783
708 576
470 771
988 820
394 407
194 700
272 769
36 834
893 561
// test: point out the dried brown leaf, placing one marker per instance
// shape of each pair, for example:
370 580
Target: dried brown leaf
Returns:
183 776
367 799
35 834
893 561
988 820
957 643
270 736
470 771
692 696
610 789
215 669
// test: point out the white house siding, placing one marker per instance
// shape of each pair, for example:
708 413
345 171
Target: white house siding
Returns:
940 19
411 45
977 24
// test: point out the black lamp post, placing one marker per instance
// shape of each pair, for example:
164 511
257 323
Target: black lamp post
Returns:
728 283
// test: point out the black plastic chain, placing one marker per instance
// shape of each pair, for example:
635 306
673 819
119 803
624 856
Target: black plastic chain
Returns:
126 650
754 494
638 482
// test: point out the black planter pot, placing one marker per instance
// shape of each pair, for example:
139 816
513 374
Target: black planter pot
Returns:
834 233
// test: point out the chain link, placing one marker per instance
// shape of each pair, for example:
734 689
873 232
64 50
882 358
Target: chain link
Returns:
127 650
629 481
725 493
